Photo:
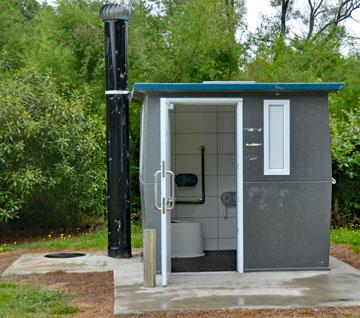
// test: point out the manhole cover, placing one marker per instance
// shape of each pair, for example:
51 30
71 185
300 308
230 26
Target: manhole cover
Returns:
64 255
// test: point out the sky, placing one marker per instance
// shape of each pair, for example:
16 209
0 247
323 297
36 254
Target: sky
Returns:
257 7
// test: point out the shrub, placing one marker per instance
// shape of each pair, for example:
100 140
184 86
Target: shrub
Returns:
52 156
346 167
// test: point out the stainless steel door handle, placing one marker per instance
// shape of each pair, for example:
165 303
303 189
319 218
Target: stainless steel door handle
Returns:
156 190
171 197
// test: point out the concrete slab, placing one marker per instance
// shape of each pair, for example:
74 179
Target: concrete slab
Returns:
203 291
37 263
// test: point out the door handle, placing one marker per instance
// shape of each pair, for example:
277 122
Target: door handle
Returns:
171 198
170 201
156 190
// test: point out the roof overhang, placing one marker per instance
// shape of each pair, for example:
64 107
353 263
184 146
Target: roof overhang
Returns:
142 89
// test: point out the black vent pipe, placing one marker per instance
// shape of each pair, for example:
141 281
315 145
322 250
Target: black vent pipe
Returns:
115 17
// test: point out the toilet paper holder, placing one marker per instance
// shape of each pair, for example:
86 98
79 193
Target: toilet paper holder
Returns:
228 199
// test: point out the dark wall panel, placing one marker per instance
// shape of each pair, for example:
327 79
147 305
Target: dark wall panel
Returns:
286 224
309 139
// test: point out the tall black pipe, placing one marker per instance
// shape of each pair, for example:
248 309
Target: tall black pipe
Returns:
115 19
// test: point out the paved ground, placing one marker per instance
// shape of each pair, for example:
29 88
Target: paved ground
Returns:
205 291
37 263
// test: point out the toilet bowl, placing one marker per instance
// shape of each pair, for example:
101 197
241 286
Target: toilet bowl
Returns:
186 239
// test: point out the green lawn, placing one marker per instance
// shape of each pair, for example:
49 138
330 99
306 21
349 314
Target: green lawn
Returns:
23 301
84 241
346 236
98 240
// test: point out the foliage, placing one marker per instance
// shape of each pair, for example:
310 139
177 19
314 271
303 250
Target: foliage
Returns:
346 165
51 154
19 301
52 109
16 16
185 41
68 42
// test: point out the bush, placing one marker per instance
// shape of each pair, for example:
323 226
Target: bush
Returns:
52 156
346 167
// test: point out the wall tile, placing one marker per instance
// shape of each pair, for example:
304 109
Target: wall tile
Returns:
215 129
173 163
187 163
206 210
226 108
230 211
211 244
210 188
227 165
226 183
172 122
196 123
173 143
193 108
227 244
227 228
226 144
226 122
189 143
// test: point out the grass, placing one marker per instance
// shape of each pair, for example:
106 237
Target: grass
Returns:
84 241
350 236
98 240
22 301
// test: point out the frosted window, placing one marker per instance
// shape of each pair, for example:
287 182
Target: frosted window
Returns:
276 137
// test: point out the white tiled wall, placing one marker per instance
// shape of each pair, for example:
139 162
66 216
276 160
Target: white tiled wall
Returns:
213 127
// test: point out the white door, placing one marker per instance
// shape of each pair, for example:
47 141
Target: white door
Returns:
167 196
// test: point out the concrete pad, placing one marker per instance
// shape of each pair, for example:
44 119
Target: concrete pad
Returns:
39 264
205 291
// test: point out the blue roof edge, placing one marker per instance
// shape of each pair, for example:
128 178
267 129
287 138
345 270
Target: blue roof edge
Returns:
201 87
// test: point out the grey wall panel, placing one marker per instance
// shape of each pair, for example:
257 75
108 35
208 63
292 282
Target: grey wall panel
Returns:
150 135
309 139
286 225
151 217
150 163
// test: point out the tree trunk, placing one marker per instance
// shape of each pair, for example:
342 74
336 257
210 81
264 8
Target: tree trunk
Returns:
284 10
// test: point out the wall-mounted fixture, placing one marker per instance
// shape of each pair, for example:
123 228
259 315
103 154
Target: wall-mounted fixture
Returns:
187 178
228 199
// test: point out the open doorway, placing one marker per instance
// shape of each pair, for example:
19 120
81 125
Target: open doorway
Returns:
205 161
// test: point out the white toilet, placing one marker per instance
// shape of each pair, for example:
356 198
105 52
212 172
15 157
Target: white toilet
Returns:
186 239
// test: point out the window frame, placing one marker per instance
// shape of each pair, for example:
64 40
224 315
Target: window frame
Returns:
285 103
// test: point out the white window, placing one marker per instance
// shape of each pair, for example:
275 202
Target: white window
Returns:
276 137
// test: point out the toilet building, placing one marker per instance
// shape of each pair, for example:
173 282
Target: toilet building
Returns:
236 175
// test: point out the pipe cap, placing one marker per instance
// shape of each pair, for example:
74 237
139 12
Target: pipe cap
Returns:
115 12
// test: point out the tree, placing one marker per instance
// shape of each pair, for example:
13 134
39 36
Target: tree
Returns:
286 8
15 27
346 167
52 154
328 16
52 85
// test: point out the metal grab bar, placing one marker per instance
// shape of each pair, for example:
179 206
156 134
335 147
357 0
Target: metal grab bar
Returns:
171 198
156 190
